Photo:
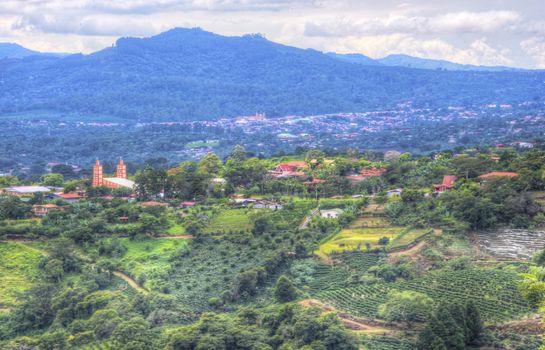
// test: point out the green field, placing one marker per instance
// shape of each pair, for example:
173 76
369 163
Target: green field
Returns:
229 220
146 260
201 144
357 238
18 269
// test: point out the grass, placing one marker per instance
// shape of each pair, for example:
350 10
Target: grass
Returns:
229 220
147 260
176 229
407 238
356 239
18 270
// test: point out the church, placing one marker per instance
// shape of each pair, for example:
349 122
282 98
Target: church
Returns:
120 179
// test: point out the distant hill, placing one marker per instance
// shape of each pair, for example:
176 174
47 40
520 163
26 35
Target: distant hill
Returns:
194 74
11 50
354 58
422 63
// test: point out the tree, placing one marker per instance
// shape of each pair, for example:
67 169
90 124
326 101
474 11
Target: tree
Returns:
406 306
55 180
210 165
532 287
448 330
238 153
474 323
133 334
428 340
284 291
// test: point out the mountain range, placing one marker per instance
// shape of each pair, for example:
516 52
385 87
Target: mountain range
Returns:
194 74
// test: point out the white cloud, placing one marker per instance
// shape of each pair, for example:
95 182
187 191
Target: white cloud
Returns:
535 48
458 22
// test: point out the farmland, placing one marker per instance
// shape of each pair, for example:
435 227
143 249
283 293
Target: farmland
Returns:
229 220
495 292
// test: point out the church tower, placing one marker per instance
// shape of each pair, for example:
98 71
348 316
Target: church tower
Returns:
98 176
121 171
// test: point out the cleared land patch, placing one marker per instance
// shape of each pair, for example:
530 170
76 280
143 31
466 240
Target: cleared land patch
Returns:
146 260
18 269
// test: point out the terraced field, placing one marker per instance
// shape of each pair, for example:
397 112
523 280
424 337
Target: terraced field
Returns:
494 291
510 243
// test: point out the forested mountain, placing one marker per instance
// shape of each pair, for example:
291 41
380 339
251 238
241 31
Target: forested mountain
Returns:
194 74
11 50
416 62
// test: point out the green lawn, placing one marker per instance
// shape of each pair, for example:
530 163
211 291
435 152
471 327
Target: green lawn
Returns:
149 258
229 220
18 269
357 238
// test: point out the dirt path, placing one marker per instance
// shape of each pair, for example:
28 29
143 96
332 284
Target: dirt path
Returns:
131 282
356 324
525 326
306 220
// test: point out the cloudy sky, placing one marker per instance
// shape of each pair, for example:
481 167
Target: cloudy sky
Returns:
487 32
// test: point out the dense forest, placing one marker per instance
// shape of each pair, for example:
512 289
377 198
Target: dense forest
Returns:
193 74
237 253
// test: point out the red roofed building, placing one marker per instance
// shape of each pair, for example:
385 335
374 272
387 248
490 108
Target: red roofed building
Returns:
289 169
448 183
375 172
69 197
187 204
498 174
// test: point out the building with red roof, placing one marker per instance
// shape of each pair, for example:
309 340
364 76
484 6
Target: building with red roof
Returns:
448 183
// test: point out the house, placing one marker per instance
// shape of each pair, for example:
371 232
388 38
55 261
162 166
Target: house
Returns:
394 193
497 174
69 197
448 183
21 191
119 181
184 205
331 213
289 169
44 209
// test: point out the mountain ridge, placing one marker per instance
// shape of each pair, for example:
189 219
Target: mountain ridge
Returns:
194 74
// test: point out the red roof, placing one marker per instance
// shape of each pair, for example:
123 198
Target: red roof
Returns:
498 174
69 195
188 204
152 204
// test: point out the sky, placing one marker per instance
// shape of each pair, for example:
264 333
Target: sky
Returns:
481 32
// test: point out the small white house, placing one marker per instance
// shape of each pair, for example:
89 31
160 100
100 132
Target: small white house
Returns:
331 213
